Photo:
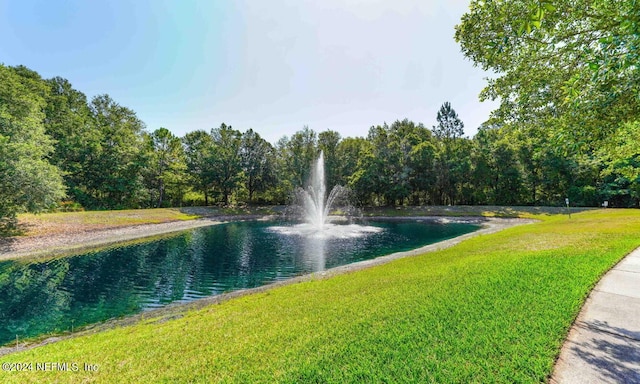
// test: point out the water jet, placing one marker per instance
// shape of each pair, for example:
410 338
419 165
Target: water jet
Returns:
313 206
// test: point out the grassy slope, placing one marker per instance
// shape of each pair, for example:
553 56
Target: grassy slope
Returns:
493 309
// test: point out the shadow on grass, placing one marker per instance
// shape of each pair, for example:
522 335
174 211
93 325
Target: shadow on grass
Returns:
9 231
6 244
613 352
517 211
8 238
241 211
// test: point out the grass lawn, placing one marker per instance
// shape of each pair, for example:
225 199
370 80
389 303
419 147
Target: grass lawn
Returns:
494 308
469 210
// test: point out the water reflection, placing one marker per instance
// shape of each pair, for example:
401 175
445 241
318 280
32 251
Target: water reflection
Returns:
52 296
314 251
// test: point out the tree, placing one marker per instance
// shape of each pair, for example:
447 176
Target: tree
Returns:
328 142
281 192
383 164
300 152
497 173
622 150
386 169
451 157
225 163
258 163
423 176
568 78
27 181
68 121
404 136
167 165
198 148
114 171
364 181
568 65
507 183
449 127
348 151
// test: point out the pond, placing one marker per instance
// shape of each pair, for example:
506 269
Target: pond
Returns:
50 296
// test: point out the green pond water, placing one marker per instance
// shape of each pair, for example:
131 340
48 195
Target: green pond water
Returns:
53 296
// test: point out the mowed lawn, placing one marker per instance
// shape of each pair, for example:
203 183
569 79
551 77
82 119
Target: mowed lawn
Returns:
495 308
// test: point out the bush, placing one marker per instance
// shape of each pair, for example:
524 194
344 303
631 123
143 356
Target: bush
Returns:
68 206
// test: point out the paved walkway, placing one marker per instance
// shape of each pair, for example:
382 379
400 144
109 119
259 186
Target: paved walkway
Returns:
604 344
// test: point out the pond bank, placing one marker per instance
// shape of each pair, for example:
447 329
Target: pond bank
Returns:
79 239
489 225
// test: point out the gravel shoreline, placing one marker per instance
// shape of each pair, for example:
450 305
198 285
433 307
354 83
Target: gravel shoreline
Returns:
81 240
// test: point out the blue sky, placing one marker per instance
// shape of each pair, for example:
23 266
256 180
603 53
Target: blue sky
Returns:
274 66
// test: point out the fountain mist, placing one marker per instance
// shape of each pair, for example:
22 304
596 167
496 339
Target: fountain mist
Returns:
316 206
313 206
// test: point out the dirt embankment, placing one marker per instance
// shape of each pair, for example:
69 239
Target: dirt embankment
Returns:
77 238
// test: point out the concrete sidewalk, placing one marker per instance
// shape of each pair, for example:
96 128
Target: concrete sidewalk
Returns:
603 346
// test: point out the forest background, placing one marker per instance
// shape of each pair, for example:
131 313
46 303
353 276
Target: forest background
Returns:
567 127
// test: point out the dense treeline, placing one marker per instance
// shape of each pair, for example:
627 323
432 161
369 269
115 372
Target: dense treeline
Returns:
568 82
59 148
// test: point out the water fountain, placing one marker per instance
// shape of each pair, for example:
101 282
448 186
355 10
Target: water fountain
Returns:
313 206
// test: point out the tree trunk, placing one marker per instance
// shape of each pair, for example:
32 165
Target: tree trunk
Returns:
160 194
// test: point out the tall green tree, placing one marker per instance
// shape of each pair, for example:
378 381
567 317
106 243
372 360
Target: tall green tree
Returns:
258 163
364 181
452 155
198 147
114 171
166 166
348 151
299 153
68 121
281 193
405 135
566 70
28 182
225 164
622 150
570 66
383 165
387 169
328 142
423 174
449 127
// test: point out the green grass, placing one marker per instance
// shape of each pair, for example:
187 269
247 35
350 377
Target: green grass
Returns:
234 210
122 217
495 308
468 210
